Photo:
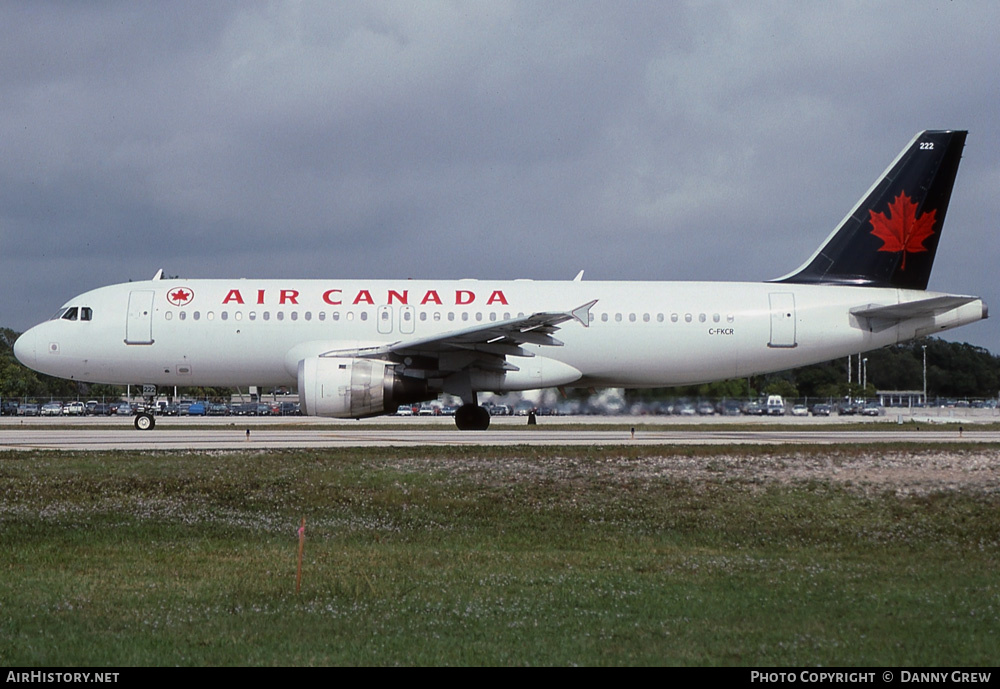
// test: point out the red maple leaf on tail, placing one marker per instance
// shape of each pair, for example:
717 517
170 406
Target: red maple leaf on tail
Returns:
901 229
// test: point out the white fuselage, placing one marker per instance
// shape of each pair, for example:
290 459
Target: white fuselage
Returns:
641 334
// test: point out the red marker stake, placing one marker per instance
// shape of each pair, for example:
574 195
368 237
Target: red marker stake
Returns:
302 545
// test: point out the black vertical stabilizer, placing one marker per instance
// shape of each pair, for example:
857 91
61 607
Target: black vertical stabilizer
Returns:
891 236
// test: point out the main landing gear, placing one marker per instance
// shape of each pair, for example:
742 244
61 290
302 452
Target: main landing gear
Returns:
472 417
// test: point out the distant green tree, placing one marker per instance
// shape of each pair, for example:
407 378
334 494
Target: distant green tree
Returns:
783 387
105 392
729 389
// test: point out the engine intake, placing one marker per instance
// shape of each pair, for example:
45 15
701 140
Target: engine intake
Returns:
349 388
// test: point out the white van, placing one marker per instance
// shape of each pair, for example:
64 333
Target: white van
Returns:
74 409
775 405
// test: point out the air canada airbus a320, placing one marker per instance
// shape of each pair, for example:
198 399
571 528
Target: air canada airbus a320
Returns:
359 348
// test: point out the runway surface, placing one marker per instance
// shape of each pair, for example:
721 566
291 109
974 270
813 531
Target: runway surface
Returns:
235 438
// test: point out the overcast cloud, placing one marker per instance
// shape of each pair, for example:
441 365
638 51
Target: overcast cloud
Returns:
636 140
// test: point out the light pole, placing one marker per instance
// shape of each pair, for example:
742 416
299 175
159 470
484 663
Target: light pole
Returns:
924 347
864 377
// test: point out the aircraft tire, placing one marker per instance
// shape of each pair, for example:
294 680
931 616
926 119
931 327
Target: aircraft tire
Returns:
471 417
144 422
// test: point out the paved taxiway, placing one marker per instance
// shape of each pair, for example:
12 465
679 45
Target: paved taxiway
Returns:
230 436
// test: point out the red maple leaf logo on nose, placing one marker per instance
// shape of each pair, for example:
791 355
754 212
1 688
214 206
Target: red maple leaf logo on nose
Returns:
901 229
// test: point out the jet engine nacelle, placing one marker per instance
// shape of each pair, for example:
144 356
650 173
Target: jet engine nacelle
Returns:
353 388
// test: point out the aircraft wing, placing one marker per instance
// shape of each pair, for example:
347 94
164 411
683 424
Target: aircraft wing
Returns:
480 346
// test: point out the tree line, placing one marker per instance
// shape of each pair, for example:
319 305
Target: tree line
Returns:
955 370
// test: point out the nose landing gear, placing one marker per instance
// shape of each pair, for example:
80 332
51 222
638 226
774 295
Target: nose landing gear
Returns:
144 421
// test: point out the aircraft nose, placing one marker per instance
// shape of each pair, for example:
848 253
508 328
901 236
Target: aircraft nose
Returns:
24 348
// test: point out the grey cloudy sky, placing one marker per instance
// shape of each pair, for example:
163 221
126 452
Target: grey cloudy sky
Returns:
636 140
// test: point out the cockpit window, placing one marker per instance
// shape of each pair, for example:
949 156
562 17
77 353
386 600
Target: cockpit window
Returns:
73 313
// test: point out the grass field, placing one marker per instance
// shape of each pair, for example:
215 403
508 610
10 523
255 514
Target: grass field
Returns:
503 556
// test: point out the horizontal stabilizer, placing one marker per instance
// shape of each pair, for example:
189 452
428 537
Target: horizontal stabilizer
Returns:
882 317
913 309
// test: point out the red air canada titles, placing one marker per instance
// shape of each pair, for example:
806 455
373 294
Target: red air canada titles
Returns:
337 297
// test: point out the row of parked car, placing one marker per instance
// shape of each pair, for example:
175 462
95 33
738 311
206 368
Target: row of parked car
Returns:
772 405
191 408
424 410
428 409
54 408
122 408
